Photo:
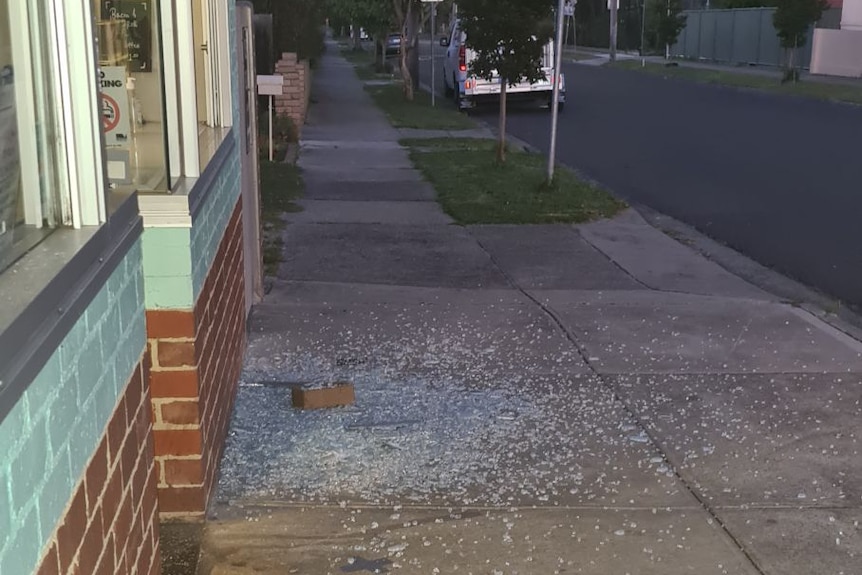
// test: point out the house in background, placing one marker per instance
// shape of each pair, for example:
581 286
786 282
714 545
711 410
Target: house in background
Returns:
839 52
129 260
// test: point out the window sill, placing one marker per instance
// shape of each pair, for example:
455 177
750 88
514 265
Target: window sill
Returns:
45 292
209 141
177 209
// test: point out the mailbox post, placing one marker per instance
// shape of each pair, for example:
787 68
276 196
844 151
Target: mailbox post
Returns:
270 86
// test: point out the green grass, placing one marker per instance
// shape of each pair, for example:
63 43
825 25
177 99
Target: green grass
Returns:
808 89
419 113
280 186
474 189
364 64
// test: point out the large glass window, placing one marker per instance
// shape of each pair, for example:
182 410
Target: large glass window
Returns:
212 80
30 189
132 102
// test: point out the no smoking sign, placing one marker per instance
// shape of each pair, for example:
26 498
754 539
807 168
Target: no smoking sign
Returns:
116 118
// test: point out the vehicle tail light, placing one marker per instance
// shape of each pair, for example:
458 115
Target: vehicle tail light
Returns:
468 84
462 58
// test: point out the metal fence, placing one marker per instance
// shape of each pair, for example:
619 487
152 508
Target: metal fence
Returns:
739 36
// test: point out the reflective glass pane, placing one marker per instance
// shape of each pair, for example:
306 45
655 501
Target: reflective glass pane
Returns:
132 103
29 142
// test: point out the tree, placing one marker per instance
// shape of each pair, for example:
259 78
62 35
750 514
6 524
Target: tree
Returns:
508 38
792 19
407 15
375 16
665 21
297 26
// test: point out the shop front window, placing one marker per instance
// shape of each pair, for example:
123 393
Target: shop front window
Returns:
30 189
131 86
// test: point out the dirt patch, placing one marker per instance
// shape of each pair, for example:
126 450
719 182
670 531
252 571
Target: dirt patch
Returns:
180 544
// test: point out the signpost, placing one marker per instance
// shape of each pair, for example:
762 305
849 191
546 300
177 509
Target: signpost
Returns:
433 34
270 86
555 103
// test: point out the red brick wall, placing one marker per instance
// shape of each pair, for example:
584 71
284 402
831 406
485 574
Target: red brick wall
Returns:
293 100
197 356
111 524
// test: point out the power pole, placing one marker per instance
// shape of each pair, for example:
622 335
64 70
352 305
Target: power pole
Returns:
555 99
614 6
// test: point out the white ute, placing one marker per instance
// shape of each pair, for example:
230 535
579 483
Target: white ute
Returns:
468 90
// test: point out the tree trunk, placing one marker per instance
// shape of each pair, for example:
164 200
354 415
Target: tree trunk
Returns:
357 40
403 18
501 142
413 46
613 39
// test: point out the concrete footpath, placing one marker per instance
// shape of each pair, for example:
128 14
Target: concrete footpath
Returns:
594 399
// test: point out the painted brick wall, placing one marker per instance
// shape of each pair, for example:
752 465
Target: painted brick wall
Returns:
197 357
111 525
211 220
48 439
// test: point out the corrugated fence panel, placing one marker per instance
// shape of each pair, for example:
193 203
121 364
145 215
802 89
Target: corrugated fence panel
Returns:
744 35
724 28
706 49
770 47
746 38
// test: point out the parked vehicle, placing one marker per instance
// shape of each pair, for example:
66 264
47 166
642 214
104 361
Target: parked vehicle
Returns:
393 44
468 90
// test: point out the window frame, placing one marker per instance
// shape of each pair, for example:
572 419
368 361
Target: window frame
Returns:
198 143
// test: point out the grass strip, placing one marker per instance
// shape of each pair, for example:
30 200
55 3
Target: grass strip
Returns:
419 113
280 186
473 188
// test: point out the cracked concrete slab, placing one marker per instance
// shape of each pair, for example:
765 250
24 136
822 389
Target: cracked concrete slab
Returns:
768 440
369 212
656 332
551 257
402 191
380 177
800 541
332 540
443 256
446 336
661 262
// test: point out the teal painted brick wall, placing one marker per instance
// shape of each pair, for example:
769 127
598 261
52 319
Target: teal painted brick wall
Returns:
168 267
51 433
211 220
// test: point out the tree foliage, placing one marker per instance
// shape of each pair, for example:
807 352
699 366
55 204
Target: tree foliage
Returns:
297 26
793 18
508 38
665 21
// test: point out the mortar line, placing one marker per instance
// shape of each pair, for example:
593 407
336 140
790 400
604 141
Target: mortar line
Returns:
711 511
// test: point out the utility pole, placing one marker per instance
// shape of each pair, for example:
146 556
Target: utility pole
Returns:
614 6
555 103
643 33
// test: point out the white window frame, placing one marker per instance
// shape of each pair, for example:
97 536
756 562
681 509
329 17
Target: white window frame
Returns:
219 96
66 55
80 115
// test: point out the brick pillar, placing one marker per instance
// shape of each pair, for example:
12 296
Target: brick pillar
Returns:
297 86
176 410
196 360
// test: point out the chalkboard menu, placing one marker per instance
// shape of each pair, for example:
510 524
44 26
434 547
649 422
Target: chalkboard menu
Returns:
138 14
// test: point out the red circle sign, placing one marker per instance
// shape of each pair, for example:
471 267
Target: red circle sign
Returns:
110 113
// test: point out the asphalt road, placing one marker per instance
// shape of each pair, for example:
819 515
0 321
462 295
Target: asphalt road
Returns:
777 178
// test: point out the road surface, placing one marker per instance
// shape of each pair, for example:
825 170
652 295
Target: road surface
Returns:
777 178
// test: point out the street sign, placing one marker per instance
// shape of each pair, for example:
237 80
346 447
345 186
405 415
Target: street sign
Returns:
569 8
270 85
